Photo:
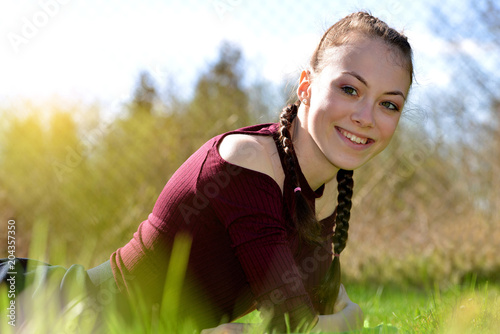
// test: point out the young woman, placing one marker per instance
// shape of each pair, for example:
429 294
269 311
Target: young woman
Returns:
259 203
266 208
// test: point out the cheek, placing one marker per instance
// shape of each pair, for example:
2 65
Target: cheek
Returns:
388 126
322 97
331 109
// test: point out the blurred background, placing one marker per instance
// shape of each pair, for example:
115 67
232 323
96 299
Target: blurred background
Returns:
100 102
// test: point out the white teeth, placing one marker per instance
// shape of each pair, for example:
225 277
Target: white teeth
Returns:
353 138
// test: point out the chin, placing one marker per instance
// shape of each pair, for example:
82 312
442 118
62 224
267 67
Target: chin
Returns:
350 165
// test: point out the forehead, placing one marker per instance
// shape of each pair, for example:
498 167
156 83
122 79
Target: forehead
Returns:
374 60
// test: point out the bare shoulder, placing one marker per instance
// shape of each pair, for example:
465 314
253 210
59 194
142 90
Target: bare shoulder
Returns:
252 152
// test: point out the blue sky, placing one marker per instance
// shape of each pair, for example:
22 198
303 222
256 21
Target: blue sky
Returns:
93 50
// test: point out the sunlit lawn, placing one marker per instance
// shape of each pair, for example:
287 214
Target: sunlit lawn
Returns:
387 310
467 309
470 308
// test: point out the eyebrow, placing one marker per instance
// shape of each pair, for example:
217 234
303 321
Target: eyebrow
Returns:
360 78
357 76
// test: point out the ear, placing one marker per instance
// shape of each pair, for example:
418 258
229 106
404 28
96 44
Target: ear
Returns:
304 90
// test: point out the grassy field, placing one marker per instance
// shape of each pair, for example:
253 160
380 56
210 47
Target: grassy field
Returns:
459 309
468 308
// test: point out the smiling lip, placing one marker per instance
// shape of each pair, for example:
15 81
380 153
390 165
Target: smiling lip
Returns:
354 139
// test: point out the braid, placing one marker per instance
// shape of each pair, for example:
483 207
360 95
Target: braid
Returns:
303 216
329 290
345 185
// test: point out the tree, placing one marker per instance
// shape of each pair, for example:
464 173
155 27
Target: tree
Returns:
145 95
469 106
220 101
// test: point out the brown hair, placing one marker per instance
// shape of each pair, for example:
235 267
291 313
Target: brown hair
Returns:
304 217
361 24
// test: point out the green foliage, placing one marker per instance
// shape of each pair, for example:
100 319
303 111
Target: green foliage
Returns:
145 95
95 181
220 102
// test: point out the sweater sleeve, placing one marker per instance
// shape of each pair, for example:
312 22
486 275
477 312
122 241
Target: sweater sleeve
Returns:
251 210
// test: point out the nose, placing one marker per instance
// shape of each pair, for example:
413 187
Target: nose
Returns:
363 116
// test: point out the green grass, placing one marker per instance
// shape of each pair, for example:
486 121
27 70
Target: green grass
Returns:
458 309
387 310
469 308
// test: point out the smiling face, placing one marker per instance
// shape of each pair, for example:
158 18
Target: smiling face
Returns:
354 103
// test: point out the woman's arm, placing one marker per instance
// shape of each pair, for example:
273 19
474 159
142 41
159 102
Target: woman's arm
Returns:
347 316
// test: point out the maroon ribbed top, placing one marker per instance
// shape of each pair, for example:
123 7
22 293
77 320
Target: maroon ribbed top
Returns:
245 252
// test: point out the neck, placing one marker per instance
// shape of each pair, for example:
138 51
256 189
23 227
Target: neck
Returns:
314 165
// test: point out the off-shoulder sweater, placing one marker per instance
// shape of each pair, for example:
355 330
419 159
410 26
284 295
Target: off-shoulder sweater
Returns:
244 253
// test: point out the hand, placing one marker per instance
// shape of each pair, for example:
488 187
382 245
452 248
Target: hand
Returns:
232 328
342 300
